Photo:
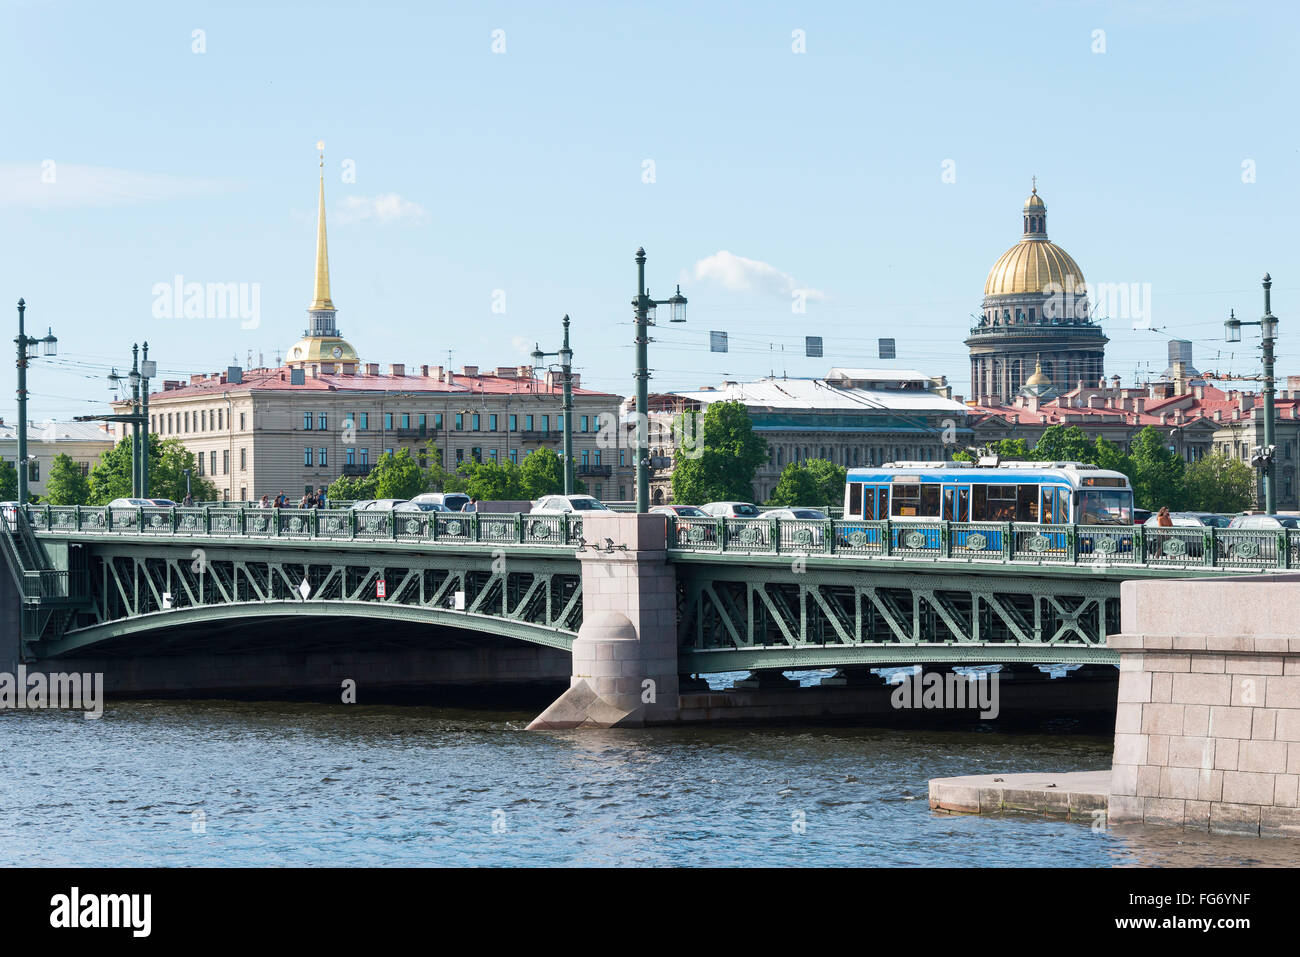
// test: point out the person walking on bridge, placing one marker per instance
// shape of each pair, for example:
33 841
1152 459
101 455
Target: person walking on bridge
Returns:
1163 519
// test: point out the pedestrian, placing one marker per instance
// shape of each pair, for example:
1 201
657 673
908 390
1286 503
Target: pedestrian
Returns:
265 502
1163 519
189 500
470 506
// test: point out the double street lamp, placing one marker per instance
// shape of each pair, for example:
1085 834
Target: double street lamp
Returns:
645 318
29 348
1262 457
142 370
565 355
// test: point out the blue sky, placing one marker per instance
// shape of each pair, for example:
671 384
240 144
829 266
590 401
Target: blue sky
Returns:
523 171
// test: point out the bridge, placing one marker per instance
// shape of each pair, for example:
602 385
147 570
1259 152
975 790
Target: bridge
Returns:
762 595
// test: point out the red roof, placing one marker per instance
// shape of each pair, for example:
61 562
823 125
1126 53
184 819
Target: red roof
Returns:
277 380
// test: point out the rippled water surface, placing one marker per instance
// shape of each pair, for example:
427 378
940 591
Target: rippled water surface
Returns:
225 783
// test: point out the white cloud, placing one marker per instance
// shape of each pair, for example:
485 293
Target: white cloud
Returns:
384 208
750 275
53 184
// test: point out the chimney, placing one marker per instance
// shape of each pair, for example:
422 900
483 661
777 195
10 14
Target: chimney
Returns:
450 377
1030 402
1218 415
436 372
507 372
1095 402
1164 418
1246 401
469 370
575 380
1042 418
1115 381
1139 404
424 372
1080 385
372 368
397 369
1199 391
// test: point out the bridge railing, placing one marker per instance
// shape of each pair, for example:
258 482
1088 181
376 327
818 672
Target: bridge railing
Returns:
332 524
1009 542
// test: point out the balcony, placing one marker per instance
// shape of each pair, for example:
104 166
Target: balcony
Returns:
603 471
363 469
541 435
418 433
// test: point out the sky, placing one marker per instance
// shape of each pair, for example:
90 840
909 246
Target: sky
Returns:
843 170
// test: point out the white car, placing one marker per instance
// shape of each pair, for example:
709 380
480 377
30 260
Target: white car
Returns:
378 505
567 505
451 501
731 510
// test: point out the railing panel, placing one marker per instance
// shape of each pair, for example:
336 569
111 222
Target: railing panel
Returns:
801 535
542 530
259 523
695 534
374 525
334 523
411 526
1175 546
189 521
1246 547
1106 545
916 539
977 541
748 534
854 537
497 529
1040 543
453 527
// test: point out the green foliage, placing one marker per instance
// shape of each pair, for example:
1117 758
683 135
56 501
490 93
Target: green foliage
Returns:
1011 450
493 481
66 485
1157 474
349 488
541 474
831 479
1217 483
1108 455
1064 443
397 475
720 463
110 477
8 481
796 486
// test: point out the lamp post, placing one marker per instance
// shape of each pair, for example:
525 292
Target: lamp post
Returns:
1262 458
27 346
565 355
645 317
137 418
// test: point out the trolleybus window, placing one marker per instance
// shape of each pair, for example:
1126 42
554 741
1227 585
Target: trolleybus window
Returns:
855 499
910 501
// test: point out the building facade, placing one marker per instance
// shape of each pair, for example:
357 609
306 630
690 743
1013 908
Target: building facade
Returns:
83 442
853 417
1034 317
326 414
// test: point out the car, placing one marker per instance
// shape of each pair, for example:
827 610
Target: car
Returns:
798 533
416 506
1265 521
802 514
164 503
131 503
451 501
681 511
731 510
567 505
1140 515
378 504
1192 520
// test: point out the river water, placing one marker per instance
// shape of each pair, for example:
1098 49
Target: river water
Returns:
179 783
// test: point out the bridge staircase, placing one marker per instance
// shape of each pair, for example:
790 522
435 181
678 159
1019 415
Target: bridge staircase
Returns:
50 596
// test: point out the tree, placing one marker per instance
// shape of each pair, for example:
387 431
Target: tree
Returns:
1157 472
348 488
720 464
796 486
66 485
831 479
1217 483
541 474
1108 455
1064 443
1011 450
8 481
493 481
397 476
110 477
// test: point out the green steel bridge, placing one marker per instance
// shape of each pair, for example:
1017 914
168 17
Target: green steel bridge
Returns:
752 594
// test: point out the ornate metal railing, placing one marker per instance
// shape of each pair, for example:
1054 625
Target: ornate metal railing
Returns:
1001 542
329 524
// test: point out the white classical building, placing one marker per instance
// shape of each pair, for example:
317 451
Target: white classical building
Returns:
83 442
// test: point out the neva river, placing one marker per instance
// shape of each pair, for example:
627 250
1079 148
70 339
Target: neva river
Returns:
265 784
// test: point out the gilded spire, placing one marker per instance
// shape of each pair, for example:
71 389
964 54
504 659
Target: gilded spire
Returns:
321 300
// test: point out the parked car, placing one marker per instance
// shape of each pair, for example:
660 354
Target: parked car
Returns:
414 505
682 511
567 505
731 510
131 503
799 534
1265 521
1192 519
1140 515
451 501
164 503
378 504
1264 549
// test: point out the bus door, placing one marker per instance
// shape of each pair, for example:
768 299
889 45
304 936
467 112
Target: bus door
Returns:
874 508
1052 511
956 508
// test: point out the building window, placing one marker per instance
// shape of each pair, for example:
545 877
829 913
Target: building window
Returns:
324 456
33 471
306 421
307 455
241 422
582 424
477 453
388 421
212 462
514 456
199 459
473 422
514 422
460 421
350 456
322 422
422 422
219 412
388 451
365 456
546 423
364 422
492 455
528 423
406 420
622 460
559 423
243 460
492 422
437 421
584 458
460 456
225 461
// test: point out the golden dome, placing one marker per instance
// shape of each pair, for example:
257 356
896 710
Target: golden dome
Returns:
321 349
1029 266
1035 200
1038 378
